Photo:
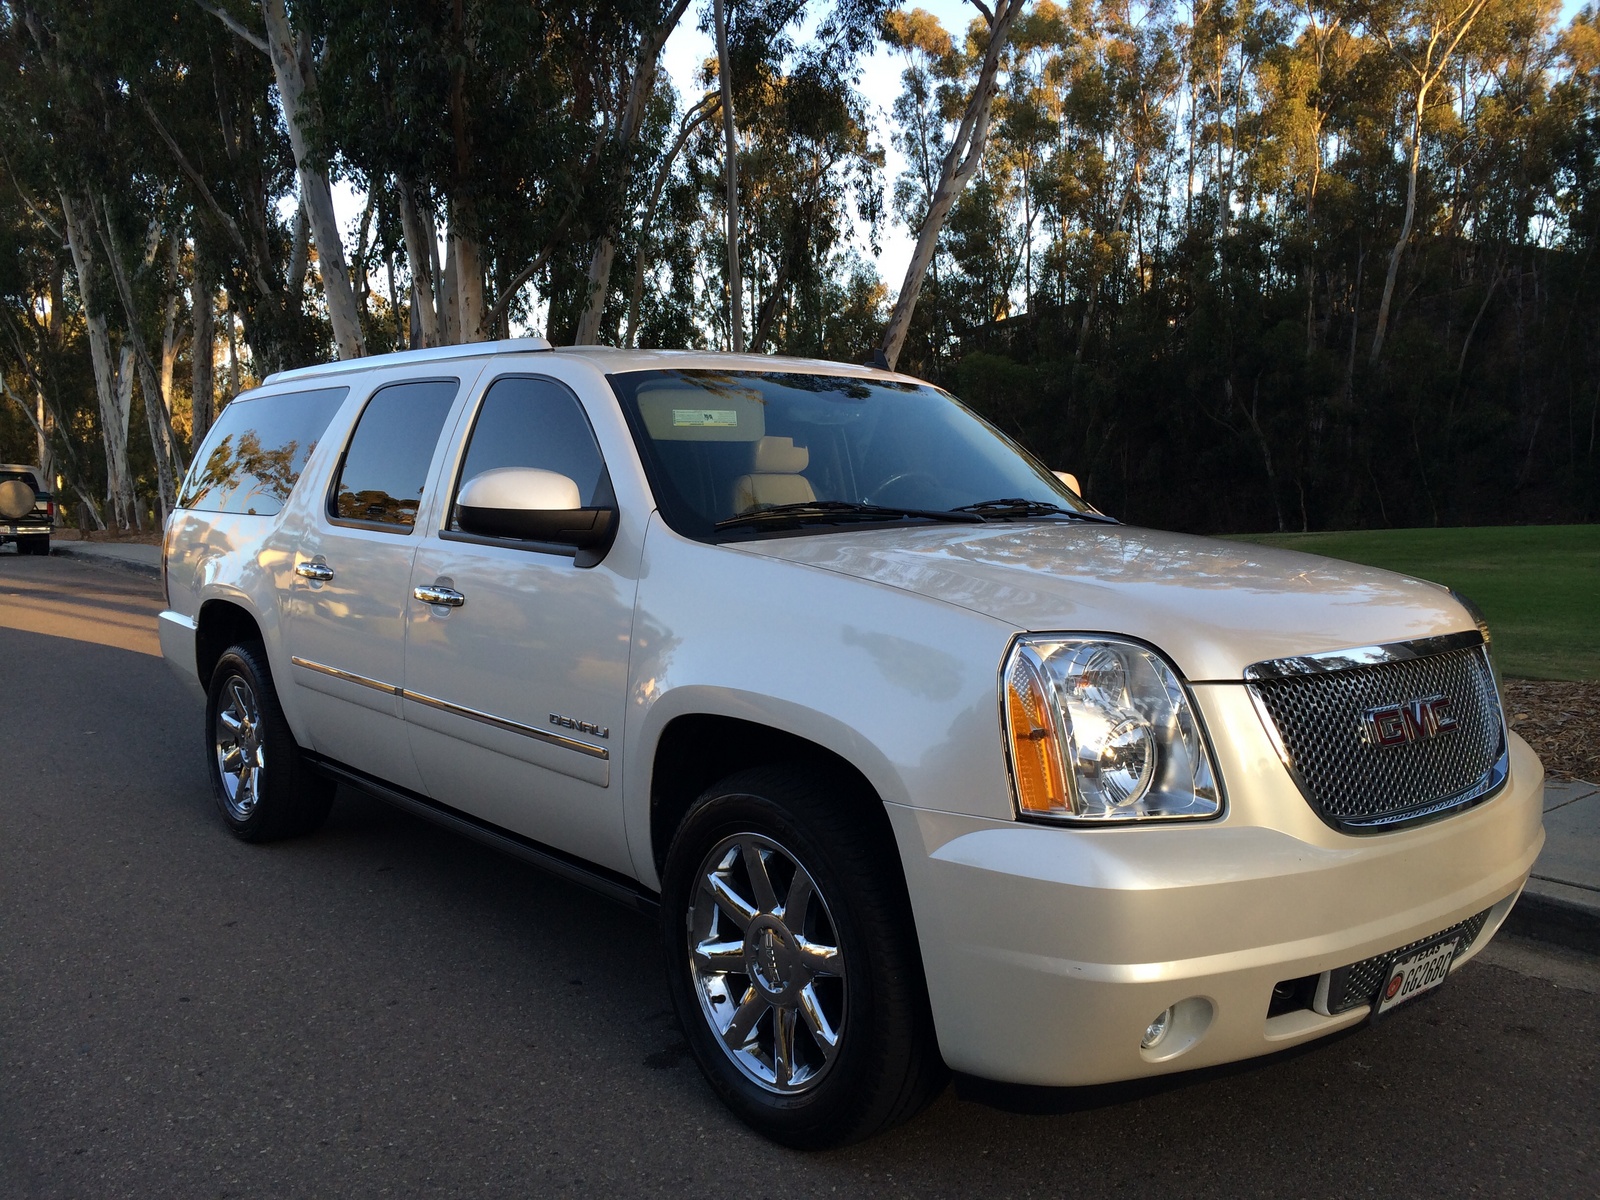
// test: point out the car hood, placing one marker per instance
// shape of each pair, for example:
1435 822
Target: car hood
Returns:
1214 606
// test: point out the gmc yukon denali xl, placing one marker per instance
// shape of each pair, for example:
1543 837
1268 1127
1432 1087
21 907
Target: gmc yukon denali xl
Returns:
924 763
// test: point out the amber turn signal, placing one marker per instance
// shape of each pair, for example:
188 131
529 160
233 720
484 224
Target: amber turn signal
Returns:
1035 754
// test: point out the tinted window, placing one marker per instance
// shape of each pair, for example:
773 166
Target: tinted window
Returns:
385 466
256 450
22 476
720 445
534 423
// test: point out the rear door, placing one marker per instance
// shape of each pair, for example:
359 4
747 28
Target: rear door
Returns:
514 699
349 597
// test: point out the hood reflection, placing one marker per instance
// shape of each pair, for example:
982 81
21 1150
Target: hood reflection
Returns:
1215 606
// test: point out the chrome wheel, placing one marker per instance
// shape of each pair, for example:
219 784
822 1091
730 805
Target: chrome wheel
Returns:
766 964
240 756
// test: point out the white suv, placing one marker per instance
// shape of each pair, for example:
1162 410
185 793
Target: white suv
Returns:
924 762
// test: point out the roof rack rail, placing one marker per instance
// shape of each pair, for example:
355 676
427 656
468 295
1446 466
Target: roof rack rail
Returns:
404 357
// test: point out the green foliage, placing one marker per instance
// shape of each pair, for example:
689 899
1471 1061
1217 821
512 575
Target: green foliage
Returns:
1165 275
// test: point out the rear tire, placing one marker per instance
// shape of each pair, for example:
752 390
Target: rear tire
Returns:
34 543
262 782
792 959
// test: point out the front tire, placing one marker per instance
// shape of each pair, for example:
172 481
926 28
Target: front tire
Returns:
259 775
792 960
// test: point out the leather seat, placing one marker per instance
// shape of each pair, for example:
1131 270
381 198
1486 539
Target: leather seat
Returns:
774 478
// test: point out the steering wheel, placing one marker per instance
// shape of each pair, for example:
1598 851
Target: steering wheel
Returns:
876 495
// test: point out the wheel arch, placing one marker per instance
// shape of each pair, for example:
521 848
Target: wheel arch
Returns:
219 624
695 750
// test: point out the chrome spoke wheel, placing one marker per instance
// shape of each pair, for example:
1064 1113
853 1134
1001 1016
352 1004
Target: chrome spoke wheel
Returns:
766 964
237 736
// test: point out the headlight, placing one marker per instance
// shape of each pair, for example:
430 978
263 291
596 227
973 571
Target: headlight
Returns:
1101 730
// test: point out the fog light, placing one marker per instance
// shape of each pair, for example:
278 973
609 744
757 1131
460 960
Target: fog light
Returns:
1156 1030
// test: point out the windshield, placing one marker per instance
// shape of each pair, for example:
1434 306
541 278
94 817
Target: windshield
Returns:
726 449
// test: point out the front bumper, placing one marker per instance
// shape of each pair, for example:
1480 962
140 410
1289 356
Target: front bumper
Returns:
1048 951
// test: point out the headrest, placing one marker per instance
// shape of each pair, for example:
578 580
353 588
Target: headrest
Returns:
779 456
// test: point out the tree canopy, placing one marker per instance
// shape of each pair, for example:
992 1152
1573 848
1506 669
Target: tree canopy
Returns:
1239 264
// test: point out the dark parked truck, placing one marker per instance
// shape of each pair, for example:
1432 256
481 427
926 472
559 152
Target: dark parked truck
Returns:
26 511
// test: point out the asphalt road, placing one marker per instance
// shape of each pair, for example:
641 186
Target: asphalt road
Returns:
383 1008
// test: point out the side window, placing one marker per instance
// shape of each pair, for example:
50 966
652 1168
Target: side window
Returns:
255 452
385 466
533 423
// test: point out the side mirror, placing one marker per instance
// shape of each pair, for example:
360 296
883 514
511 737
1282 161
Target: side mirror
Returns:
530 504
1071 480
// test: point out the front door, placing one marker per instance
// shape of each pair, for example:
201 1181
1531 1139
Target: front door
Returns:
514 691
347 607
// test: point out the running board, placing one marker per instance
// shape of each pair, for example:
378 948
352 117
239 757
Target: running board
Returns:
610 884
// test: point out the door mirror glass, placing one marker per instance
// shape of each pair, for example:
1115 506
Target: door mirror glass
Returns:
530 504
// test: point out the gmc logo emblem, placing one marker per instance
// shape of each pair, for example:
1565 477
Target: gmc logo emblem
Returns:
1409 721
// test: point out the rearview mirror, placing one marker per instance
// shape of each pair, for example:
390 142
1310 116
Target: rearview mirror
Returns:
532 505
1071 480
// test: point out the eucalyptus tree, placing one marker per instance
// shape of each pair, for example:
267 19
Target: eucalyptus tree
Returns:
961 161
1424 37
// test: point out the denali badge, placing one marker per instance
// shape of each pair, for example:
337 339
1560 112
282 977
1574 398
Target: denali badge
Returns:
601 731
1408 721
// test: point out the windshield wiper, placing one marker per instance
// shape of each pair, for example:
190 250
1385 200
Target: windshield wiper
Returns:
825 512
1015 506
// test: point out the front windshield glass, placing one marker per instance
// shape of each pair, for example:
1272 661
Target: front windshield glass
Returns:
722 448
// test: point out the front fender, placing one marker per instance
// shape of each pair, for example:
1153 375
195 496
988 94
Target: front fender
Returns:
900 686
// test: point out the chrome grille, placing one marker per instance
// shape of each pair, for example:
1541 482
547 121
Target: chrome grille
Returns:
1357 985
1319 710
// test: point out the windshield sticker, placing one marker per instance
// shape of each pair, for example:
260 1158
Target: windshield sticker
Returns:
705 418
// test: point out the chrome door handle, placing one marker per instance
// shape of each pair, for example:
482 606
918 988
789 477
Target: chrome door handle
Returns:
432 593
318 571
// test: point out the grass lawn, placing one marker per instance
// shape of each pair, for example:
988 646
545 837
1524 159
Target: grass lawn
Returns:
1539 585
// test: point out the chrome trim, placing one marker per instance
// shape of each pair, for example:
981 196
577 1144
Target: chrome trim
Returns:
433 593
538 735
320 572
460 710
1362 656
376 685
1486 787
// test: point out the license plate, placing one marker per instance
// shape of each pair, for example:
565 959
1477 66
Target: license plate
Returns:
1409 977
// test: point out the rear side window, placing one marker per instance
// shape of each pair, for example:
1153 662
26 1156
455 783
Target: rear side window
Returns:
526 422
385 466
255 452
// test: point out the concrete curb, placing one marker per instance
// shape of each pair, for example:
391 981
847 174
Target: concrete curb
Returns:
100 558
1548 919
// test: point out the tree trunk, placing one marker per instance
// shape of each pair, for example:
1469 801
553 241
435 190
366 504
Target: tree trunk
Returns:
202 353
170 336
731 174
1405 226
291 65
420 257
966 151
467 276
645 69
157 419
108 385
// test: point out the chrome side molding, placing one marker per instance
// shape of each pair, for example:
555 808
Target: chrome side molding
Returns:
459 710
